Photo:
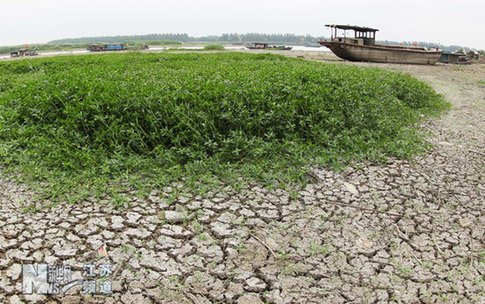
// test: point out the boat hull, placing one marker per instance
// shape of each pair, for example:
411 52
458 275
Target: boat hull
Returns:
383 53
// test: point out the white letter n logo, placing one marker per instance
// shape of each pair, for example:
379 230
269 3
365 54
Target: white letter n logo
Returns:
34 280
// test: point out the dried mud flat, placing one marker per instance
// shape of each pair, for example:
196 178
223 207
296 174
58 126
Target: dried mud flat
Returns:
405 232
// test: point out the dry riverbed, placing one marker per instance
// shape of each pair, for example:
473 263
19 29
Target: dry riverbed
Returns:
410 231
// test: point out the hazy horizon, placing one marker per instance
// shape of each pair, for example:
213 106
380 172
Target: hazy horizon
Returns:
444 22
243 35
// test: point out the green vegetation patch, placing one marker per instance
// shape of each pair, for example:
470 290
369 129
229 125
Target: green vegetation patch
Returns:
214 47
80 123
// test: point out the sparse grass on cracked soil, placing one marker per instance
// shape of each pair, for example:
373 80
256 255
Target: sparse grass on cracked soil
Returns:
407 231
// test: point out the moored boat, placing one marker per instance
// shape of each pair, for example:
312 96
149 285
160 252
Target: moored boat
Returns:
362 47
257 46
265 46
106 47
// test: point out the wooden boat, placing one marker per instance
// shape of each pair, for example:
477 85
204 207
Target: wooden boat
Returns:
460 56
362 47
24 52
266 46
283 47
257 46
106 47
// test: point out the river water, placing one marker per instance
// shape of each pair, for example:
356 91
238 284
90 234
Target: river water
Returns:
295 48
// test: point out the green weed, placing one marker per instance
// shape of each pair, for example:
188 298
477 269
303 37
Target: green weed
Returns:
81 126
316 249
214 47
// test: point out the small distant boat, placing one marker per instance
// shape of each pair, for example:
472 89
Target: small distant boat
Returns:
116 47
265 46
106 47
24 52
362 47
257 46
283 47
460 56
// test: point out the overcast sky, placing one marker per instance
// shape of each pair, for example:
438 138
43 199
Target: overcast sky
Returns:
445 21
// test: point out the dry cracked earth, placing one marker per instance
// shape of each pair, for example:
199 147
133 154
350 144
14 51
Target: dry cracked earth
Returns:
410 231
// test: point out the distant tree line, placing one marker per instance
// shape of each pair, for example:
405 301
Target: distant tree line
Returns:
119 39
177 39
258 37
293 39
185 38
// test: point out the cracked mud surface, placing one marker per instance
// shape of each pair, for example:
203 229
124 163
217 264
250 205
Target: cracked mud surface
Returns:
405 232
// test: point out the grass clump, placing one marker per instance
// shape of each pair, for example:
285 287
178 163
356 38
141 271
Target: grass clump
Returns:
79 123
214 47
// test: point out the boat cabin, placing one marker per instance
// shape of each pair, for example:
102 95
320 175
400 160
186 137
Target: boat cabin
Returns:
362 35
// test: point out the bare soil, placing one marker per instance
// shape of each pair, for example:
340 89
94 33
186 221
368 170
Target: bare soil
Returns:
410 231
